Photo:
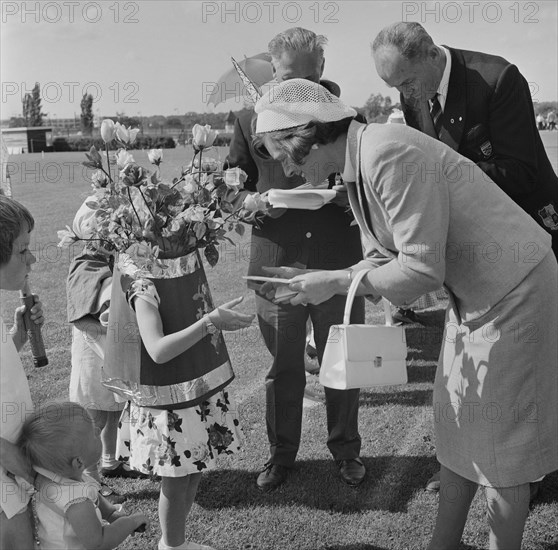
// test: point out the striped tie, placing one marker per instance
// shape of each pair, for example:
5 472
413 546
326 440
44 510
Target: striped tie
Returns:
436 114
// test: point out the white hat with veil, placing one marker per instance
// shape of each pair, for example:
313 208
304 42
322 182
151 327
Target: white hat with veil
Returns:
296 102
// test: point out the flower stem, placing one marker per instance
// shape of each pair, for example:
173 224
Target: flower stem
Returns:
108 163
133 207
147 205
177 182
107 173
153 216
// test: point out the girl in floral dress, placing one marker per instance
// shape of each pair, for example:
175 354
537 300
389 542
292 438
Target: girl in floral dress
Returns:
172 427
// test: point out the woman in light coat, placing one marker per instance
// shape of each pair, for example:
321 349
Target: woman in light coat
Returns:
428 216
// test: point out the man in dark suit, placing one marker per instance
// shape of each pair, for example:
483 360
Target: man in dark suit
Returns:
478 104
313 239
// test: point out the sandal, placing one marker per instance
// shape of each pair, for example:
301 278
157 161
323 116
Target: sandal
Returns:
110 494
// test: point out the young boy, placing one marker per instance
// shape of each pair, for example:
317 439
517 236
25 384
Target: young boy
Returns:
88 293
16 224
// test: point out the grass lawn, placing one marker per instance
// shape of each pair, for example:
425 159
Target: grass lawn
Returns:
314 509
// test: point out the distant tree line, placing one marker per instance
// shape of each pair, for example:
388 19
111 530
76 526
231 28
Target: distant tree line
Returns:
86 118
31 108
376 109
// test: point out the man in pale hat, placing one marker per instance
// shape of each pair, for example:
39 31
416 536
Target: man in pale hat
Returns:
314 239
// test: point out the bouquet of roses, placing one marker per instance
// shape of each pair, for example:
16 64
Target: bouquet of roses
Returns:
137 212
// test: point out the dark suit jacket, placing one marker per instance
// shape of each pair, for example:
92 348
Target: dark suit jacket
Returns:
489 118
314 239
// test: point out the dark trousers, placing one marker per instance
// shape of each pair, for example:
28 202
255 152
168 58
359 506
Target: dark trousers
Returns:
283 328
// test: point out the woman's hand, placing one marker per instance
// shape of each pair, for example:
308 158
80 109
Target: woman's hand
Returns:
317 287
14 461
268 289
225 318
341 196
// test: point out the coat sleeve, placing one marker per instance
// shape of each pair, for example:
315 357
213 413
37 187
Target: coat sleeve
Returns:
511 120
406 185
240 155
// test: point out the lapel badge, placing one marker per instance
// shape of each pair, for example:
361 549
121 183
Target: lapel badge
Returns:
549 216
486 149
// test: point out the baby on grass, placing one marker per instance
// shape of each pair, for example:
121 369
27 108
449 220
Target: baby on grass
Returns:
61 441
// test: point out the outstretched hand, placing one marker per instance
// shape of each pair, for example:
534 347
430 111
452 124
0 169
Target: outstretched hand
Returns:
225 318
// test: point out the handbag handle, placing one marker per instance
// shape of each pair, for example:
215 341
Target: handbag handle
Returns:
351 293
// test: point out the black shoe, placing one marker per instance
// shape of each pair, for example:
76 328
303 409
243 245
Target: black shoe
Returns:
311 351
405 316
271 477
123 471
534 488
433 484
352 471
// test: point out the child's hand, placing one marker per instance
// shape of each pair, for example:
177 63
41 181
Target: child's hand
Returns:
224 318
117 513
142 522
18 332
36 314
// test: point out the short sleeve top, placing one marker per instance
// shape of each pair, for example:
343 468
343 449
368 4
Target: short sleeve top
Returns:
55 495
143 289
16 405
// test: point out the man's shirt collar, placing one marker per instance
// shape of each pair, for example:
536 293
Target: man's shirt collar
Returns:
444 83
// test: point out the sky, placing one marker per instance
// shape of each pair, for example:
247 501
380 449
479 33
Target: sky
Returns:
162 57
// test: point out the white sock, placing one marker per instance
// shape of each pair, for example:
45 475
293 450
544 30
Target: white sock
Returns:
163 546
109 461
184 546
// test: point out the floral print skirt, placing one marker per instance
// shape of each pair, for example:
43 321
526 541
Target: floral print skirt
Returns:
176 443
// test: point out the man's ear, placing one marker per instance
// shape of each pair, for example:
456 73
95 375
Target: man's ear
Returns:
77 463
434 54
273 69
323 65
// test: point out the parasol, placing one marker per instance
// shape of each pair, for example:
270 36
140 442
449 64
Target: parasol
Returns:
230 85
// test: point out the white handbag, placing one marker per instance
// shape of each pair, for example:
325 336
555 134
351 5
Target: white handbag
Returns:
361 356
